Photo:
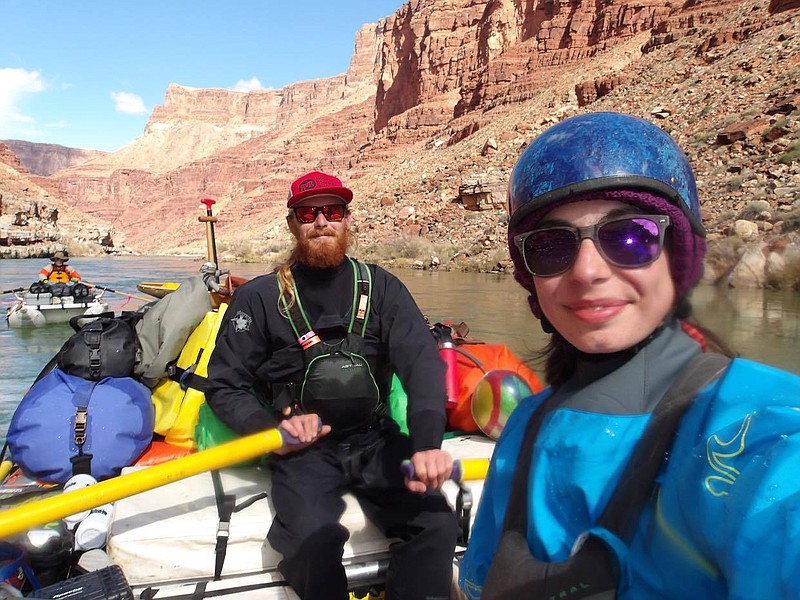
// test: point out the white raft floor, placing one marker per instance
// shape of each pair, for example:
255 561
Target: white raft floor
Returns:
164 539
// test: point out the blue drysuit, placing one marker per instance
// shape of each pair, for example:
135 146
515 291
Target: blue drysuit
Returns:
724 518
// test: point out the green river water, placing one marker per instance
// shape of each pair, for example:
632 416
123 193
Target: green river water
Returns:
761 325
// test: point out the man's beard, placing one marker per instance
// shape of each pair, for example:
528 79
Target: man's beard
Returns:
324 253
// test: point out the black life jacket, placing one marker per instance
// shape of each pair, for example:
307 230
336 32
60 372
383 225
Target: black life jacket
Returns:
338 383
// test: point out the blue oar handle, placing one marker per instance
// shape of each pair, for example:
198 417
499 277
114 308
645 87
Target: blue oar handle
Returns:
408 470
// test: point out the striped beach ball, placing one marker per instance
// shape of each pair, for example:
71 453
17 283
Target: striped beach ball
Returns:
495 397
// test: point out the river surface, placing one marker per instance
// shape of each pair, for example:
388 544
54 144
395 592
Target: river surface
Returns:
761 325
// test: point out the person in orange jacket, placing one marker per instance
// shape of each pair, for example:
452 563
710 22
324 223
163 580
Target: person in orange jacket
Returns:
59 271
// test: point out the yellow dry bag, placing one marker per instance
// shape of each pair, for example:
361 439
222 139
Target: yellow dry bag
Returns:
177 399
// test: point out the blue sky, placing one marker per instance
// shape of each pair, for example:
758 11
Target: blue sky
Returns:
87 73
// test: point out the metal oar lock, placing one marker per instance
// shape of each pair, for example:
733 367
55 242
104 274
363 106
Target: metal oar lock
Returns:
210 270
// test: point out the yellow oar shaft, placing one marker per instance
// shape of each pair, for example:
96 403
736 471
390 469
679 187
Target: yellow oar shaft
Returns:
474 468
25 516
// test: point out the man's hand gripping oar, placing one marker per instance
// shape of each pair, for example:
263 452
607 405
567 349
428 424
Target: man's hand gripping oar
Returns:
304 430
465 469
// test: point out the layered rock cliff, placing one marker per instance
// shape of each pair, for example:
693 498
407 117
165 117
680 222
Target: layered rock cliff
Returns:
46 159
35 224
437 103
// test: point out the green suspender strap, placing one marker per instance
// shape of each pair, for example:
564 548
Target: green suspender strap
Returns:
338 383
362 292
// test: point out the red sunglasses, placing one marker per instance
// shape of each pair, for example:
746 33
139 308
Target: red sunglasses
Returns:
308 214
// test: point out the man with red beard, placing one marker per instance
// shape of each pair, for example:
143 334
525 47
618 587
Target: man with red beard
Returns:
311 348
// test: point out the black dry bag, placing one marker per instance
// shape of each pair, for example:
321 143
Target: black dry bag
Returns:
106 347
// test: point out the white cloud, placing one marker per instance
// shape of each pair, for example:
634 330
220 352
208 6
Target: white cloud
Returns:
128 103
14 85
248 86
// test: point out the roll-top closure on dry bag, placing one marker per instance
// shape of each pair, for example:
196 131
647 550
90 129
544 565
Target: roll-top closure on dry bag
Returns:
105 347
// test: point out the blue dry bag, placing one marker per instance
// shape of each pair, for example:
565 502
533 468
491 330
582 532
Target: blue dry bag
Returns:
66 425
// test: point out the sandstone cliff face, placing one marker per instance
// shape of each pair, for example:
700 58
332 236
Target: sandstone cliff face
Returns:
242 149
46 159
8 158
437 103
461 57
776 6
194 124
34 224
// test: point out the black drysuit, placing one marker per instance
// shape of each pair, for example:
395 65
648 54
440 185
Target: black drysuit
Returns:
256 348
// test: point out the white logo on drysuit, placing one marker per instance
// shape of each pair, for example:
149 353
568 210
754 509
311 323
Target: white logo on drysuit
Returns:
241 322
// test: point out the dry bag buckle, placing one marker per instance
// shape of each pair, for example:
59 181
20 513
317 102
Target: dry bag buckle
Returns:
94 362
81 418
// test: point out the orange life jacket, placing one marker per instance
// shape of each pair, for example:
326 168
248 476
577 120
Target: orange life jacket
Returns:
58 277
55 275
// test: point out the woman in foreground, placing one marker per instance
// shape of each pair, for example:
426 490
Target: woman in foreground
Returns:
652 467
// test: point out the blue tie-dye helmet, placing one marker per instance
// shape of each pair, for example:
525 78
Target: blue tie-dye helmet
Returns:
612 156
